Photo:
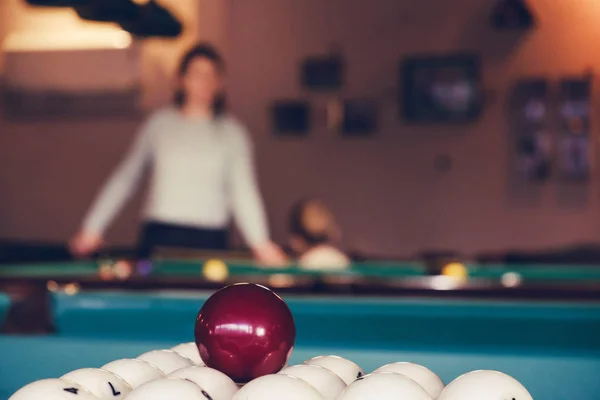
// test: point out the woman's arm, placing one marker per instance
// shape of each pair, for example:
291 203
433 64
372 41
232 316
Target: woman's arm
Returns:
120 186
248 207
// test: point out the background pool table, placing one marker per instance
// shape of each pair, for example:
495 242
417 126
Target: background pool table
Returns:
552 347
366 278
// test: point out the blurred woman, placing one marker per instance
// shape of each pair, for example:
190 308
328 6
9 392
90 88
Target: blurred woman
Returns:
202 173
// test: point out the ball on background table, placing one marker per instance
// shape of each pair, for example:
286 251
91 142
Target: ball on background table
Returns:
143 267
189 350
166 360
326 382
53 389
215 270
485 385
101 383
218 385
168 389
342 367
245 331
123 269
384 386
511 279
134 372
277 387
420 374
455 270
106 271
326 258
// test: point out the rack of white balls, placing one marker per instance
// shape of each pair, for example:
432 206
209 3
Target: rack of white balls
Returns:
180 374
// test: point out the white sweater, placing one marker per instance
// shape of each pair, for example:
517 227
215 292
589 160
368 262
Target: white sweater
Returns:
203 171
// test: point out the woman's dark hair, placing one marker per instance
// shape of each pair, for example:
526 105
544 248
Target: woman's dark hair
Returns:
207 51
297 227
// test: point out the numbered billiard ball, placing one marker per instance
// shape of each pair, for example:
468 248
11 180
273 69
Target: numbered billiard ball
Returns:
218 385
169 388
485 385
342 367
53 389
245 331
102 383
387 386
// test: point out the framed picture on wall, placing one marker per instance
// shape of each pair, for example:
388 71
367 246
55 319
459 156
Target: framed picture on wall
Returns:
322 73
441 88
529 107
359 118
291 118
574 142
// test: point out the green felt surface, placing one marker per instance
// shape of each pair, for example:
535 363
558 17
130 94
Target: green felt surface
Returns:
536 271
193 268
72 269
173 268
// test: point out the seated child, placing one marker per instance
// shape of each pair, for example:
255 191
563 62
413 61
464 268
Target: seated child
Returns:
313 230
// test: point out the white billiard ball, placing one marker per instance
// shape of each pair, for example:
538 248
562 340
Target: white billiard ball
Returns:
384 386
418 373
218 385
168 389
277 387
102 383
53 389
166 360
324 257
325 381
134 372
342 367
485 385
189 350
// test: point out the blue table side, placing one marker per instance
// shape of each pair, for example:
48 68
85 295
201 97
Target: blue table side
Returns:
548 377
384 323
5 304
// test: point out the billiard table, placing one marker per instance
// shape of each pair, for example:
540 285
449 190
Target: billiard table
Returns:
552 347
539 323
367 278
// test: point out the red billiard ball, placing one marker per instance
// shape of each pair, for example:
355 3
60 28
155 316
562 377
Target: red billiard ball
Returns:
245 331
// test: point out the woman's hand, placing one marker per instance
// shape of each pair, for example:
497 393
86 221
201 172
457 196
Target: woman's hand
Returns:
270 255
85 243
